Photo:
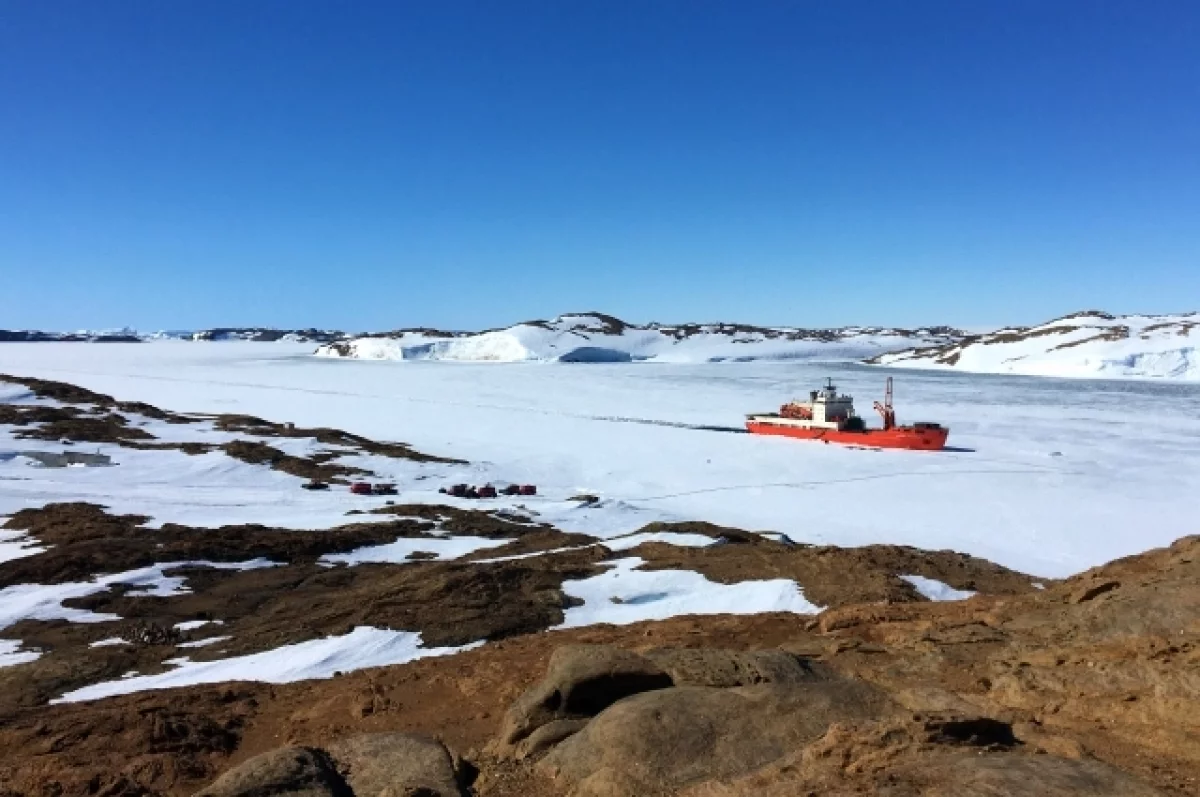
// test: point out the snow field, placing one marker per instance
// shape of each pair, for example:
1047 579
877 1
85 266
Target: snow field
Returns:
624 595
318 658
1044 476
1141 347
45 601
1047 476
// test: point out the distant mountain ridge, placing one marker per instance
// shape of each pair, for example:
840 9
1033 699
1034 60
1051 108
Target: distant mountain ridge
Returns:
128 335
1085 344
598 337
1091 343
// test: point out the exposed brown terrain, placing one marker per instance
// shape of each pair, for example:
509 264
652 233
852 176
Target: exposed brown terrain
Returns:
1089 685
90 417
1091 681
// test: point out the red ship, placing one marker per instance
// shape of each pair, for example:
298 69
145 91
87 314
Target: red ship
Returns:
830 417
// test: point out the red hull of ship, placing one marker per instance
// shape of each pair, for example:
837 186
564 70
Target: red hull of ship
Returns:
908 437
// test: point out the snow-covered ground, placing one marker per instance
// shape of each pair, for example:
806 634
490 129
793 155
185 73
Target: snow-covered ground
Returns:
1046 476
623 594
318 658
1082 345
595 338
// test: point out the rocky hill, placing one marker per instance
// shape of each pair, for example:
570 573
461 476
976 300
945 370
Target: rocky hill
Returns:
1085 344
596 337
127 335
1085 687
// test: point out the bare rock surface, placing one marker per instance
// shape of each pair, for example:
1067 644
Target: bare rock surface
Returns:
396 765
292 771
657 742
726 668
581 681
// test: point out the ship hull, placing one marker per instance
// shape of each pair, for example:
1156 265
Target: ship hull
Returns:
923 438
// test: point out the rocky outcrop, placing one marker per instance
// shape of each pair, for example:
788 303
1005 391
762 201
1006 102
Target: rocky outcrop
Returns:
294 771
658 742
581 681
396 765
369 765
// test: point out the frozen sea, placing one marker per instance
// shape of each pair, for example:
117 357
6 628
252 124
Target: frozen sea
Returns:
1047 476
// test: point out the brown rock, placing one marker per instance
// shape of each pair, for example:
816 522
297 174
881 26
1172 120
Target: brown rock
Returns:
547 736
581 681
396 765
657 742
291 771
729 668
974 775
1090 591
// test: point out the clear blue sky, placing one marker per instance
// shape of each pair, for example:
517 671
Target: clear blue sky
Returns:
466 164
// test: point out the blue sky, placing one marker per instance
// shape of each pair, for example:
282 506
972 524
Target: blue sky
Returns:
469 164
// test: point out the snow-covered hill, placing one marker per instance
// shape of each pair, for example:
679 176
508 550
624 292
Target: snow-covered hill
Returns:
595 337
1087 344
128 335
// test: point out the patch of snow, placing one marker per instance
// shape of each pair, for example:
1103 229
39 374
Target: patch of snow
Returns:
624 595
1080 346
12 655
398 552
112 640
624 543
15 545
936 590
191 625
671 538
199 643
363 647
45 601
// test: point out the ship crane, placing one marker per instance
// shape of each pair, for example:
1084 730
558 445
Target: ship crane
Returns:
885 409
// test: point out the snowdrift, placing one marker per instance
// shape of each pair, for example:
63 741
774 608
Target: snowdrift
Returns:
598 338
1089 344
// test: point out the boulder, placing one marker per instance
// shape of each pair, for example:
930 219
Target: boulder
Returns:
729 668
547 736
396 765
973 775
581 681
660 741
290 771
